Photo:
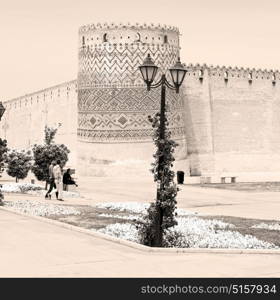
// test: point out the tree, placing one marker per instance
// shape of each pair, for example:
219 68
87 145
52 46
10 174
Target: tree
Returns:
3 153
46 153
161 213
18 164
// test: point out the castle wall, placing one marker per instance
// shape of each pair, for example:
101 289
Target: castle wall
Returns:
198 122
243 106
25 118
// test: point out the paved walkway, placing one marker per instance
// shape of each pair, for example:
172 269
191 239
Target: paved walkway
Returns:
264 205
31 248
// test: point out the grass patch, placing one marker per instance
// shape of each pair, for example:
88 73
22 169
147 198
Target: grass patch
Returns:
91 217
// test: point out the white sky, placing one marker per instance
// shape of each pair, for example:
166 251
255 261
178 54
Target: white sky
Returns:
39 37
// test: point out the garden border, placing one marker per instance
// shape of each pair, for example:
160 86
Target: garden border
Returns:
142 247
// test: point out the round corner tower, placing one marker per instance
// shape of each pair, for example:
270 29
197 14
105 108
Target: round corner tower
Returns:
113 102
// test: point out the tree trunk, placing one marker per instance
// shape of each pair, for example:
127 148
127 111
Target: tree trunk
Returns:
46 186
158 233
16 179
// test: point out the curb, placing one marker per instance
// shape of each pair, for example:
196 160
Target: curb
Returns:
142 247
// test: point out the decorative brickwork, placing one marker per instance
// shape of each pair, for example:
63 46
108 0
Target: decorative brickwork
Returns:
113 102
123 135
229 72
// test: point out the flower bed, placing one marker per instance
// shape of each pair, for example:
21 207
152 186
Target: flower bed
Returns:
14 187
135 207
275 226
191 230
32 189
37 208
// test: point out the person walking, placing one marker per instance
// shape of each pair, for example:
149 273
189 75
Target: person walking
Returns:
57 173
51 181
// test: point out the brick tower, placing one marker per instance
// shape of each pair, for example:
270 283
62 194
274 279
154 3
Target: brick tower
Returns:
113 103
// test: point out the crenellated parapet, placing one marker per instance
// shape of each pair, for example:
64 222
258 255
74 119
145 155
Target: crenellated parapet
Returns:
121 35
229 72
128 25
62 90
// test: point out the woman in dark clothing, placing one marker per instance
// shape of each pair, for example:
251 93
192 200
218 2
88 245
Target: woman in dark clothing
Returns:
67 179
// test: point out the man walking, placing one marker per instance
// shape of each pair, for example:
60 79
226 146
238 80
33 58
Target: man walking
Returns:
51 181
57 174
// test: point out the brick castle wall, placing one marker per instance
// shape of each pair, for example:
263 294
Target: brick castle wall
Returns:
25 118
232 120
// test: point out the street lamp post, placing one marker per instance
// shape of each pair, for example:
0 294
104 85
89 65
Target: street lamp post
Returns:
149 70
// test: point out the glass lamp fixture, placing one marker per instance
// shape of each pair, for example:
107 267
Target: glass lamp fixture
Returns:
178 72
148 70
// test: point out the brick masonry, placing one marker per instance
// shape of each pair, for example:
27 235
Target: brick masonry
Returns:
232 120
25 118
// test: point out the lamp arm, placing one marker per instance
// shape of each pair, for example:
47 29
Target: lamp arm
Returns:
163 80
168 84
156 85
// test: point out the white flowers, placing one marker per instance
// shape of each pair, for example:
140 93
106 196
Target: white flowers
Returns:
199 233
123 217
135 207
33 189
191 231
37 208
124 231
15 187
274 226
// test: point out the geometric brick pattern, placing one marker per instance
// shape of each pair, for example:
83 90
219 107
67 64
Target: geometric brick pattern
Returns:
124 135
113 102
118 64
100 112
99 121
135 99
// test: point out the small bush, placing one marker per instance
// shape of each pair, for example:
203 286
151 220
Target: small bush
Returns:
174 238
46 153
29 187
18 164
19 187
